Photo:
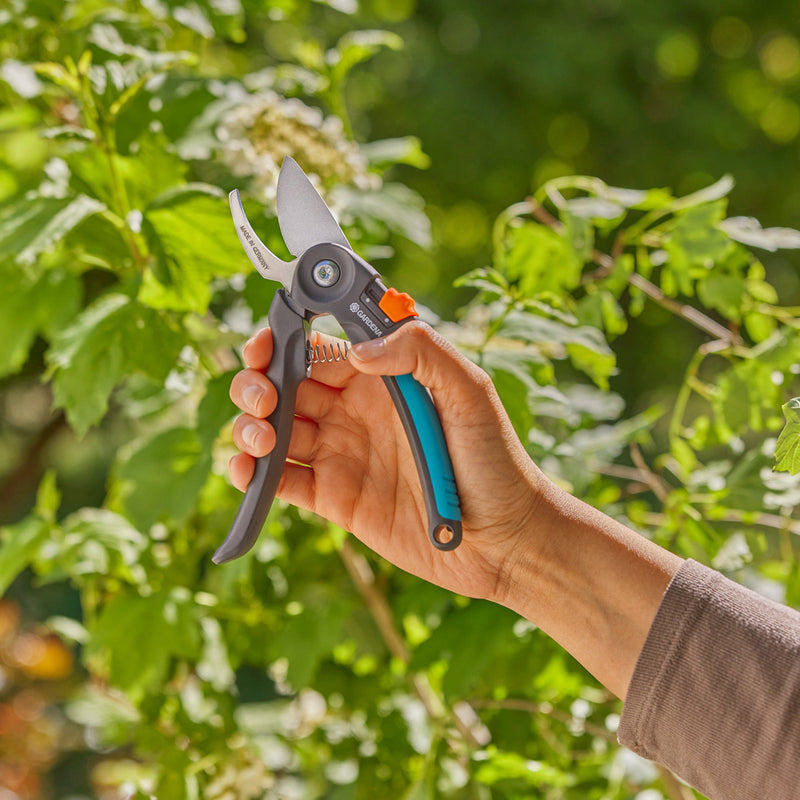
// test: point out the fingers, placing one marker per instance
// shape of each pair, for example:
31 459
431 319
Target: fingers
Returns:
257 351
418 349
252 435
256 437
253 393
256 396
242 466
298 486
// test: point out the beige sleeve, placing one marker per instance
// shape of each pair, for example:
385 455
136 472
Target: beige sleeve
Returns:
715 695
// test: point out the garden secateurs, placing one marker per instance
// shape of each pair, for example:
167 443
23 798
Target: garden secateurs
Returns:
327 277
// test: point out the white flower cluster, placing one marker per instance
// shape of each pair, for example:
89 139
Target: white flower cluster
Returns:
243 777
256 135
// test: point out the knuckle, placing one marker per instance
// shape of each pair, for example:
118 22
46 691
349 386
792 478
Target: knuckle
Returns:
482 379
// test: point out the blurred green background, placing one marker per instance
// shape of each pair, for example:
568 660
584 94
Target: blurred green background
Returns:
502 96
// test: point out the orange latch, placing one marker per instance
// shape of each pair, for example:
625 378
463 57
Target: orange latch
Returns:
397 305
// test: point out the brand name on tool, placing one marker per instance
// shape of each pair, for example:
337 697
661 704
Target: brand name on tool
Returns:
356 309
253 246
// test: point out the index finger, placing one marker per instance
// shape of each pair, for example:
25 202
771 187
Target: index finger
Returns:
257 351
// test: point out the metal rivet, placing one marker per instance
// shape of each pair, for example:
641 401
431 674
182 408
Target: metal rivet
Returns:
326 272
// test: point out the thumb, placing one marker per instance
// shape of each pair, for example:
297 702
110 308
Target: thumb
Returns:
418 349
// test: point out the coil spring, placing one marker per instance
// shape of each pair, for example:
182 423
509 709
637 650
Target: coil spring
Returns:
326 353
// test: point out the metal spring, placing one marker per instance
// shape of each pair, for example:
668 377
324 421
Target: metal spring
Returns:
326 353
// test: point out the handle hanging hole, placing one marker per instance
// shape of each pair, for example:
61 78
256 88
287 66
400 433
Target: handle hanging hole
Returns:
443 534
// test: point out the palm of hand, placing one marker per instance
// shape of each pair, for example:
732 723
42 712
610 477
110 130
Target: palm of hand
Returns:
355 468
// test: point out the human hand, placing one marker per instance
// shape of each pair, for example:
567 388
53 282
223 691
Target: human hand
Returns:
351 463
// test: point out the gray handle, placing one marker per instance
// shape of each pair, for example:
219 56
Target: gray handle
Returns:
287 370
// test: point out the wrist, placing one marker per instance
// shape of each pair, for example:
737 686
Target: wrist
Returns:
526 551
588 581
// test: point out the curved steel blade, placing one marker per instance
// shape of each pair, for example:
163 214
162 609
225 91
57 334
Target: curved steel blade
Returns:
304 218
264 260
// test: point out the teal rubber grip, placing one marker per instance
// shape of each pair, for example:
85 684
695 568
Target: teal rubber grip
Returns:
434 449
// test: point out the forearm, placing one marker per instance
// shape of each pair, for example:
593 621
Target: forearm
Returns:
589 582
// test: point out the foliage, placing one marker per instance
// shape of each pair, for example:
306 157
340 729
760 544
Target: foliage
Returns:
309 668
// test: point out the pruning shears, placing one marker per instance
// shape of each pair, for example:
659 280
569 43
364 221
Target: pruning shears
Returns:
328 277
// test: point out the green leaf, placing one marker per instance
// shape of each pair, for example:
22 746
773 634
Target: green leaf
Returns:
467 641
540 260
502 766
787 448
311 635
734 403
394 207
21 543
162 479
748 230
723 293
189 233
709 194
48 498
138 636
388 152
108 341
600 309
595 208
216 408
694 241
485 279
29 307
683 454
93 541
358 46
521 378
759 326
30 227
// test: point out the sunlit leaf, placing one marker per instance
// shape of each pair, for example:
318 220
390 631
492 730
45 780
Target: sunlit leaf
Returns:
111 339
31 227
138 636
748 230
787 448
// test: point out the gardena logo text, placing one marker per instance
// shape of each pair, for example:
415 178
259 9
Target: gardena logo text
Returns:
355 308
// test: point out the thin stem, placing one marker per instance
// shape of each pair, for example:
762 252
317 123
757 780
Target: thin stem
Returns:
659 488
106 141
364 580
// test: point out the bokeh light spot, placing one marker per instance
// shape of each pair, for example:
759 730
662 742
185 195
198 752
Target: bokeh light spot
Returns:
780 120
465 227
731 37
393 10
678 55
568 135
749 92
459 32
549 168
780 58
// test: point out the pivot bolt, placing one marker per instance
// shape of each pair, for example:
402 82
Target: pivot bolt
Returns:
326 272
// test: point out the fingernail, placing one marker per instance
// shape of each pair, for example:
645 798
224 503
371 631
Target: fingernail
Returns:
252 396
246 346
369 351
250 435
